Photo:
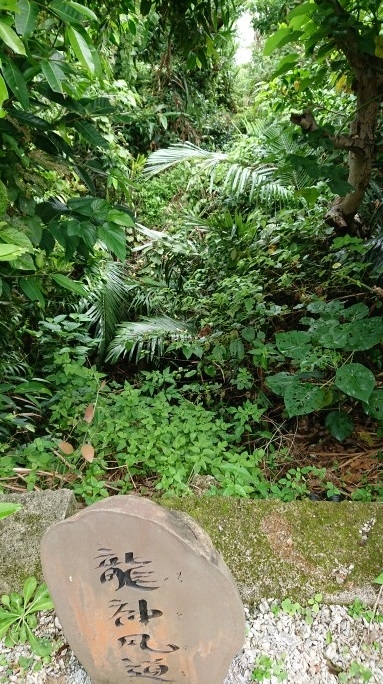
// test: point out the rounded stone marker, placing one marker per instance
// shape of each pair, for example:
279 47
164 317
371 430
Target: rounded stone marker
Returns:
142 595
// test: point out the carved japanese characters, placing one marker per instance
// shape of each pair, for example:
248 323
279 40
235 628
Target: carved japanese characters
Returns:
142 595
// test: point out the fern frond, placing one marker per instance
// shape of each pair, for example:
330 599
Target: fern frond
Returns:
147 337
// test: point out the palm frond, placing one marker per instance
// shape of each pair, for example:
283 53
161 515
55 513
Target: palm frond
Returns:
259 180
147 337
110 293
163 159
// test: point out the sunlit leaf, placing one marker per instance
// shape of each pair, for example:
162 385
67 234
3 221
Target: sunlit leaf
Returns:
10 38
80 46
3 91
8 509
83 10
10 252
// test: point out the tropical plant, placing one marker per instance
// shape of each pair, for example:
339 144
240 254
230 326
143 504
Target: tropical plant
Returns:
147 338
264 164
330 344
18 617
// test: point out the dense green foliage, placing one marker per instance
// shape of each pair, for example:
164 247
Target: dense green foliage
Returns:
176 303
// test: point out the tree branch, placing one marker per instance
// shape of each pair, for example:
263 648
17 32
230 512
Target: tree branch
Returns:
308 124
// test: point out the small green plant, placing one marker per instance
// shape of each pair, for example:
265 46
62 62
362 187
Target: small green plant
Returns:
322 371
290 607
18 616
266 667
7 509
358 609
355 672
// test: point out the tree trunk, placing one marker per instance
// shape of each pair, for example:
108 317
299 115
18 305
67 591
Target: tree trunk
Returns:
343 213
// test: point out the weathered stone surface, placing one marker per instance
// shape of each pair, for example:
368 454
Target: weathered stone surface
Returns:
142 595
21 533
294 549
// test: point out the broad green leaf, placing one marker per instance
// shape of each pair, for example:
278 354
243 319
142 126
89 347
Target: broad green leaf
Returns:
302 398
326 309
121 218
364 334
8 5
375 405
248 334
90 134
83 10
280 38
286 64
31 288
379 579
294 344
302 8
25 262
81 48
29 588
355 312
16 82
3 92
335 336
86 231
26 17
279 382
6 622
309 194
65 11
10 38
41 647
54 75
355 380
10 252
11 235
69 284
339 424
114 239
8 509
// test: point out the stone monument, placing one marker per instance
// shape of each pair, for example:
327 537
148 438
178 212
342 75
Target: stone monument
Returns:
142 595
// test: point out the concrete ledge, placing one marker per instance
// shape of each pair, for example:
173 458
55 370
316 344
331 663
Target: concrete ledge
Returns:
21 533
296 549
273 549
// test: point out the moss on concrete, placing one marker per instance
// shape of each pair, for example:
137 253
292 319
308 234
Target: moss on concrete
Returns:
21 534
276 549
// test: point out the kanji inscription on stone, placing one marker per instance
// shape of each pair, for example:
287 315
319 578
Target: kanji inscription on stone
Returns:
142 595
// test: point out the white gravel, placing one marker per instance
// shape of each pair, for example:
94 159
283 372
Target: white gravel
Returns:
297 647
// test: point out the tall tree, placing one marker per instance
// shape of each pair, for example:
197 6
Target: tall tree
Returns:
344 36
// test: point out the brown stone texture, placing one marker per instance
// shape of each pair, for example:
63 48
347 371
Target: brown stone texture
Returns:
142 594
